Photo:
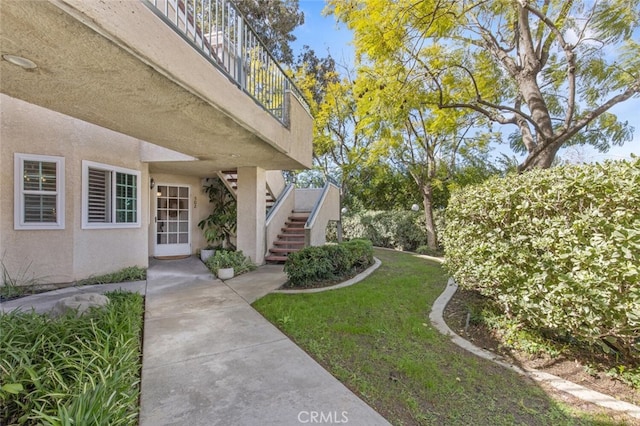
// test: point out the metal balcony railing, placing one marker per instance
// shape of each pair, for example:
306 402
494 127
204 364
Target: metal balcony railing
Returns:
219 32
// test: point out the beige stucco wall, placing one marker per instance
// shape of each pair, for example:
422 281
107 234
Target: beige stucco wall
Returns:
328 210
306 198
55 256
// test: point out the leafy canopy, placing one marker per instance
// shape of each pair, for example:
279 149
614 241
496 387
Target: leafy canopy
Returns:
550 70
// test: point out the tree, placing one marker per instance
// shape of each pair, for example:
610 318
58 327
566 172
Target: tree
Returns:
428 143
274 22
551 69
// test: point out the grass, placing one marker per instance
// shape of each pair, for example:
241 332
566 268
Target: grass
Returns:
17 285
22 284
377 339
131 273
72 370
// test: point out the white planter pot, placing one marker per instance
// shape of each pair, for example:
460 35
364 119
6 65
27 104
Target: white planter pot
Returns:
205 254
225 273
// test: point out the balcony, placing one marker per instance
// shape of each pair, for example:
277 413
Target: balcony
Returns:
188 76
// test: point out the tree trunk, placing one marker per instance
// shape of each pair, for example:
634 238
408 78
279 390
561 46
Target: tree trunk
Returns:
427 201
542 159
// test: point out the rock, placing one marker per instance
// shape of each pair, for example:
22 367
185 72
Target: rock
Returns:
79 303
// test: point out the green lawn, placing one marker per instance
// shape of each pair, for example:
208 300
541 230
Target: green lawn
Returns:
376 338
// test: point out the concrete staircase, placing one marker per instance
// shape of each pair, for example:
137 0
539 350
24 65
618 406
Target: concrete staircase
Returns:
291 239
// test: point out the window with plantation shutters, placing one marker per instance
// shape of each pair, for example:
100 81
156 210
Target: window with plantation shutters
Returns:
98 206
111 196
39 192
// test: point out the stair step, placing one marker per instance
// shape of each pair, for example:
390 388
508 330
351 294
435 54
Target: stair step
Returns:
298 218
288 230
296 224
291 235
232 180
229 172
274 258
288 243
283 250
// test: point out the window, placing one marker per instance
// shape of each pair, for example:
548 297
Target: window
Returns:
39 192
110 196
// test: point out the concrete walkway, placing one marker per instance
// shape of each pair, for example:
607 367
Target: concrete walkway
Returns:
211 359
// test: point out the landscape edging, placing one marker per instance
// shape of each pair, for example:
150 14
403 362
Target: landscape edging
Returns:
578 391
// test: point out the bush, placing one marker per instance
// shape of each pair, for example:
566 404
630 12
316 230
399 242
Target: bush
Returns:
230 259
428 251
557 249
312 265
402 230
360 253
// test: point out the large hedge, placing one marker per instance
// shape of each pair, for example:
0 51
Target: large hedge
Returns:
401 230
558 249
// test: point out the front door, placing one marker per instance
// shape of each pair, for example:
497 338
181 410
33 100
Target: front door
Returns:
172 221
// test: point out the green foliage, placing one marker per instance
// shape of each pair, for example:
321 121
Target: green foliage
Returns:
130 273
359 252
402 230
428 251
557 249
72 370
630 376
16 284
221 224
376 338
313 265
230 259
551 68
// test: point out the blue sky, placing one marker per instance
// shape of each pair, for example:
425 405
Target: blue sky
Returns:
322 33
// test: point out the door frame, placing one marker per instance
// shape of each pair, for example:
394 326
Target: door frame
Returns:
187 248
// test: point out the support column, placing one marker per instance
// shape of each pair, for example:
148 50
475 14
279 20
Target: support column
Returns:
252 207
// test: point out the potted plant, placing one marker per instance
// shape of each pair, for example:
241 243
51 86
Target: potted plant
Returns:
207 252
222 263
220 225
228 263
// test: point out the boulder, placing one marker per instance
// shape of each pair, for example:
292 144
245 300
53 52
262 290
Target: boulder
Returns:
80 303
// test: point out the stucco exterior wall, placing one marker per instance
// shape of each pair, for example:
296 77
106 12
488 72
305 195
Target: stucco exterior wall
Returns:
328 210
306 198
58 256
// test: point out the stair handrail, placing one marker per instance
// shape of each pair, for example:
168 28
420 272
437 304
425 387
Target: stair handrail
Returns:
278 203
316 208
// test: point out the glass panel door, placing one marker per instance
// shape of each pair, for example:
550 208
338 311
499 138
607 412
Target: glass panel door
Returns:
172 221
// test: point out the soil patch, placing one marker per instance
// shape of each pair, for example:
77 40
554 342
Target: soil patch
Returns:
574 364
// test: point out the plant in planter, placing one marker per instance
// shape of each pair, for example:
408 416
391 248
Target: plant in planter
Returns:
227 263
220 225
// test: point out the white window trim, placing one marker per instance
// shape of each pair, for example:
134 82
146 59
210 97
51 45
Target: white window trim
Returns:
85 196
18 210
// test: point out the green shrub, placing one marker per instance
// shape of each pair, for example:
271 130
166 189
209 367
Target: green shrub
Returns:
72 370
401 230
230 259
558 249
313 265
360 252
428 251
